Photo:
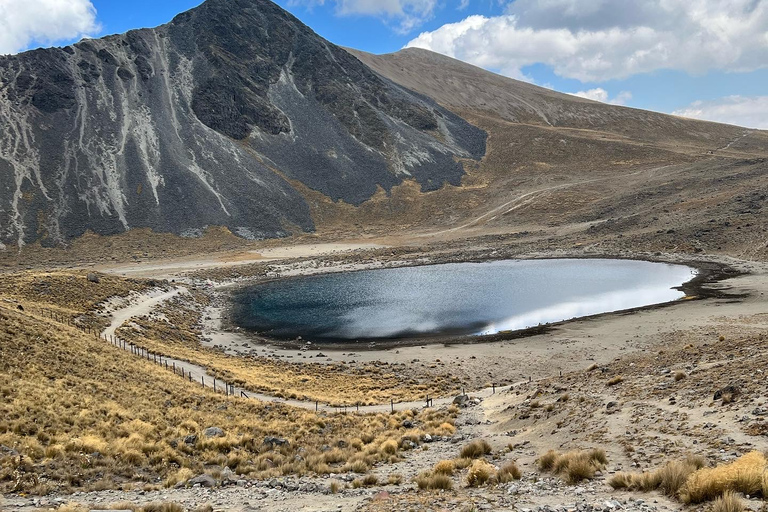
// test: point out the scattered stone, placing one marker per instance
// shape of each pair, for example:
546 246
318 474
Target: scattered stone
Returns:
275 441
202 481
214 432
93 278
461 401
731 389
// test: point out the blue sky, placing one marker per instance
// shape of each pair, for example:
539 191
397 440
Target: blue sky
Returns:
700 58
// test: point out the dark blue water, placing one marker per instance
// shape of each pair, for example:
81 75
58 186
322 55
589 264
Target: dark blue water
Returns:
460 298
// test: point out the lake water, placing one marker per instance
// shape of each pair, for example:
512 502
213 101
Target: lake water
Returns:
456 298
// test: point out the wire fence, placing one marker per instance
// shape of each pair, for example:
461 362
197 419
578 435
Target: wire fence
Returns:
178 367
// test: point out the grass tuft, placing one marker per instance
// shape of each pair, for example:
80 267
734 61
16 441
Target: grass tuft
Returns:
476 449
480 473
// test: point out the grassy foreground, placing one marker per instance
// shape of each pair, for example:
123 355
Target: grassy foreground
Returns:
77 413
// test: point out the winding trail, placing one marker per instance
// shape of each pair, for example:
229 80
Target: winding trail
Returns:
529 197
198 375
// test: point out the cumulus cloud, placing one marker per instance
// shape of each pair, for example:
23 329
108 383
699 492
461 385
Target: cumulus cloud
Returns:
407 14
27 22
601 95
596 40
748 111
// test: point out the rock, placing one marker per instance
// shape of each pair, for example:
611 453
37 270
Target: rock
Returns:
214 432
275 441
202 481
427 438
461 401
407 424
190 439
731 389
93 278
8 451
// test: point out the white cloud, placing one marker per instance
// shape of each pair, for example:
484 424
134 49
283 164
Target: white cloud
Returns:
26 22
748 111
601 95
408 14
596 40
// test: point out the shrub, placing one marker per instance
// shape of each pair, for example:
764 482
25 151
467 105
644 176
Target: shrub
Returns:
395 479
669 479
508 472
728 502
428 480
476 449
616 380
445 467
389 447
547 461
743 475
335 486
366 481
573 466
480 472
680 376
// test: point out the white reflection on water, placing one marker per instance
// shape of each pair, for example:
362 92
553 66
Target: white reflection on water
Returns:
603 303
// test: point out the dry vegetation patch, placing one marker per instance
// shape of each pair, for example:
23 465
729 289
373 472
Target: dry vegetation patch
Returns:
77 413
574 466
174 330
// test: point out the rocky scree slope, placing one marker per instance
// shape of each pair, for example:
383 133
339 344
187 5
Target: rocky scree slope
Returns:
205 121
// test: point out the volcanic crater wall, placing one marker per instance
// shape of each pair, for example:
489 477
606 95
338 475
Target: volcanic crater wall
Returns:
202 122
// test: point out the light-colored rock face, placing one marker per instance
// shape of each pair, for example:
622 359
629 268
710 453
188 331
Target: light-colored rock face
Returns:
196 123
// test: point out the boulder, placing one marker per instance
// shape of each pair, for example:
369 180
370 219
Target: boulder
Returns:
275 441
214 432
461 401
93 278
202 481
731 389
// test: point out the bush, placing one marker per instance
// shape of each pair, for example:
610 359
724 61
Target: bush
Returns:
480 472
669 479
573 466
743 475
616 380
428 481
547 461
508 472
476 449
445 467
728 502
389 447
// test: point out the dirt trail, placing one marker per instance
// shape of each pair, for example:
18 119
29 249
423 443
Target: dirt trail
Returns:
525 199
144 304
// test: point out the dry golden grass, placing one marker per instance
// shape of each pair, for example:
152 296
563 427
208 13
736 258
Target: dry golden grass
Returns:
574 466
432 481
476 449
480 473
175 333
616 380
69 293
747 474
728 502
85 415
508 472
669 479
444 467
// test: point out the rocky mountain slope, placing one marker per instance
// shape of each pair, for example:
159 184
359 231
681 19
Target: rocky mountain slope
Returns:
208 120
